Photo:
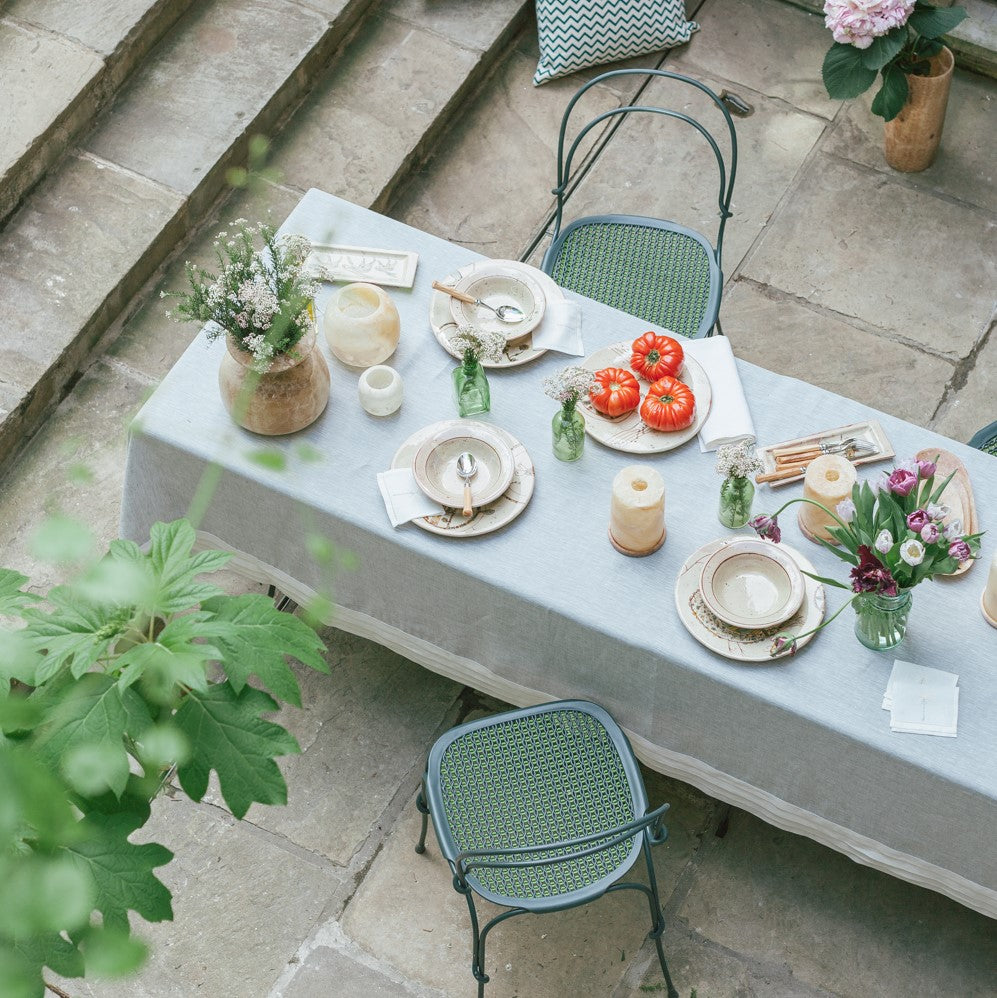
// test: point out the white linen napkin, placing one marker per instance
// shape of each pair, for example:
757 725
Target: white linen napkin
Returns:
403 499
561 328
729 420
922 700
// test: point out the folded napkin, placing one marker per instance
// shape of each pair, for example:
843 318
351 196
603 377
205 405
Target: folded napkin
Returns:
729 420
922 700
403 499
561 328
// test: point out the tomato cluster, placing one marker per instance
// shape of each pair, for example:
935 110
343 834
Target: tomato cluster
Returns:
669 404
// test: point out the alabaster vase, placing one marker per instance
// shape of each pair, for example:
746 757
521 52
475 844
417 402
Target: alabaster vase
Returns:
289 396
361 325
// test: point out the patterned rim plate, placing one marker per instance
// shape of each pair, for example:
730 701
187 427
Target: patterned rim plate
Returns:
484 519
742 644
435 464
499 284
630 433
520 350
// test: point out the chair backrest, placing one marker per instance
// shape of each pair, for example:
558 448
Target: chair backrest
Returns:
726 164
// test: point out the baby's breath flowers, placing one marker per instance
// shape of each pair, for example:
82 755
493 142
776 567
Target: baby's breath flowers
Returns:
476 345
568 385
260 299
737 461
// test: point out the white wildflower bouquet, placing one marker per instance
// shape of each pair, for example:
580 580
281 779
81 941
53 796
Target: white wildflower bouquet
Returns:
262 299
737 461
476 345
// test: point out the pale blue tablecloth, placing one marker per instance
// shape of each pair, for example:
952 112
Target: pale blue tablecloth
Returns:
547 608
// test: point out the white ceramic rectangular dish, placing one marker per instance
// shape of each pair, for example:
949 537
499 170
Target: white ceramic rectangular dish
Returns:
391 268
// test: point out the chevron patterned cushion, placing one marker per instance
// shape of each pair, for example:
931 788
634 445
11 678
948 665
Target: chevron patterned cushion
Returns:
575 34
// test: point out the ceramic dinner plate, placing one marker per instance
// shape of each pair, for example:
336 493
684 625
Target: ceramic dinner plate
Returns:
450 522
739 643
752 583
517 351
435 464
499 284
629 432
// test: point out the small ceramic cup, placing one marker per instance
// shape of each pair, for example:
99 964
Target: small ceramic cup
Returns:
380 389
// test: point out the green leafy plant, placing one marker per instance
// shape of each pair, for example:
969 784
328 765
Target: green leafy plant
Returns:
891 38
106 684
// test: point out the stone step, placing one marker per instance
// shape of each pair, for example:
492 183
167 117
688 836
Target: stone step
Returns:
61 61
93 231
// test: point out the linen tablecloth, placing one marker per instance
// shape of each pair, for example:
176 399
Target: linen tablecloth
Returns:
546 608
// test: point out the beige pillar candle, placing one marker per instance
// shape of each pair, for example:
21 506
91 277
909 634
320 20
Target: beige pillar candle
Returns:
828 480
989 599
637 512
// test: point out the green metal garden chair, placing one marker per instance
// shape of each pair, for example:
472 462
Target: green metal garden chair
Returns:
539 810
986 439
658 270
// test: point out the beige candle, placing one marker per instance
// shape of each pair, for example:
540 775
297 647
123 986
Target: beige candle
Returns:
637 512
989 600
828 480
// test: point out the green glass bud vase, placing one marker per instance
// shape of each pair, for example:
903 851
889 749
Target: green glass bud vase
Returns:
881 621
736 496
568 426
471 389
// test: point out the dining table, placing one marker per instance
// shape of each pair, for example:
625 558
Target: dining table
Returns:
543 606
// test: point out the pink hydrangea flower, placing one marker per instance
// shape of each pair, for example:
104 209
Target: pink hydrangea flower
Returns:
858 22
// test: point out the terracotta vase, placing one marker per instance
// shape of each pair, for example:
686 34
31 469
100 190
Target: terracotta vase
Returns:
291 395
912 137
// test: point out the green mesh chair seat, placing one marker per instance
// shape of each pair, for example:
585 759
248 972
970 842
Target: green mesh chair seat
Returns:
655 270
539 810
658 270
986 439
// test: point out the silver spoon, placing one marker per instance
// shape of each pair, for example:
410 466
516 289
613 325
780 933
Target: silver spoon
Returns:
467 467
505 313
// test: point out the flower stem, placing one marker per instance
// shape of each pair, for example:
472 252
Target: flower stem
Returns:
790 646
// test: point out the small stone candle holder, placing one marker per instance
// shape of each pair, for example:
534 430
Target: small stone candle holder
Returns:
380 389
988 599
637 511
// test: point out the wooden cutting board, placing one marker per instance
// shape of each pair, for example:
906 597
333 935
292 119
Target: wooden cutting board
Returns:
958 494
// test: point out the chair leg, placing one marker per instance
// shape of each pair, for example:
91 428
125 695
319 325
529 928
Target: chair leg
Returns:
420 803
657 920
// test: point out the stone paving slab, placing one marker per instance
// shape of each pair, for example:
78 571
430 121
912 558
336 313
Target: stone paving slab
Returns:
446 199
841 927
407 912
972 405
377 714
821 348
241 903
964 167
765 45
847 220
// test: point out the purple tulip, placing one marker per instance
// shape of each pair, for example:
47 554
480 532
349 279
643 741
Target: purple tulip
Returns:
960 551
902 482
870 575
918 520
783 642
927 468
929 533
767 527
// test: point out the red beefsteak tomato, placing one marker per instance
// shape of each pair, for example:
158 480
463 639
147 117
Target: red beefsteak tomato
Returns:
669 405
614 391
656 355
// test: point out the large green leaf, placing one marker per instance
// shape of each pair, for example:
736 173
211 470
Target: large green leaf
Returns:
12 597
257 641
844 74
19 658
176 569
48 949
121 871
884 48
892 96
933 22
93 712
31 797
227 734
